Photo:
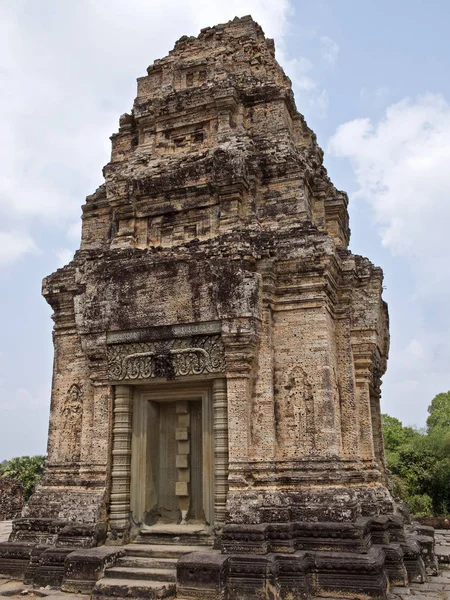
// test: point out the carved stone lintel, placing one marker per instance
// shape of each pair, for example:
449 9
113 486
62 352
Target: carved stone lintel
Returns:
199 355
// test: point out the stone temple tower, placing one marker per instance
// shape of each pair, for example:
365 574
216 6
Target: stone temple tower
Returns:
218 355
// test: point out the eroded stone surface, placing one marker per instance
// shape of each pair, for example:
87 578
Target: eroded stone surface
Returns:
17 589
11 499
5 530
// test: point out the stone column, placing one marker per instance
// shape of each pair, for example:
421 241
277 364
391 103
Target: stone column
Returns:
121 465
220 412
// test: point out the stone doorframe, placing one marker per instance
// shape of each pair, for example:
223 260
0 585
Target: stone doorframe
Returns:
140 452
122 445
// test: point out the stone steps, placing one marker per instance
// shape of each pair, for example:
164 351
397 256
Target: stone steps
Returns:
166 575
147 563
148 569
157 538
159 550
133 588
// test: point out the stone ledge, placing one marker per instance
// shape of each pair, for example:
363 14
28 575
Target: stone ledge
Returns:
201 573
83 568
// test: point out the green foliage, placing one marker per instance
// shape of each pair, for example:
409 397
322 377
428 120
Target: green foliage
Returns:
420 460
395 435
421 505
26 470
439 411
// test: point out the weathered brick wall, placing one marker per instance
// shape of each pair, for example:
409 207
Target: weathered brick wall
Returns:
11 499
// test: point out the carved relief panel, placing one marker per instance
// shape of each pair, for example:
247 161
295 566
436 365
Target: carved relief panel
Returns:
296 425
72 416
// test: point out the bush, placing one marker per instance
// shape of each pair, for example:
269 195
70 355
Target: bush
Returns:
26 470
421 505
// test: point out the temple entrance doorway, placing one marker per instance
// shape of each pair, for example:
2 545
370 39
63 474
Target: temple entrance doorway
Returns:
172 455
172 467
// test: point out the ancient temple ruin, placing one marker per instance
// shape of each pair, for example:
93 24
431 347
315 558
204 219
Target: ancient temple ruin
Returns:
215 424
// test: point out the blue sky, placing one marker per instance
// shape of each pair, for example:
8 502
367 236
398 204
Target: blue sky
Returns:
371 78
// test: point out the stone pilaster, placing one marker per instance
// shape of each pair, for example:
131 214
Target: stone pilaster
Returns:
121 465
220 426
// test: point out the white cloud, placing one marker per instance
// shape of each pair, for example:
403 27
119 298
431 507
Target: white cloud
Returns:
13 246
310 96
298 69
401 166
330 49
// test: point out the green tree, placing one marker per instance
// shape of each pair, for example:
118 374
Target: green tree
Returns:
26 470
394 433
419 461
438 440
439 411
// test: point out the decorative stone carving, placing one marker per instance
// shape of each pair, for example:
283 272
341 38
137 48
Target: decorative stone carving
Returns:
295 412
199 355
72 415
220 449
121 464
